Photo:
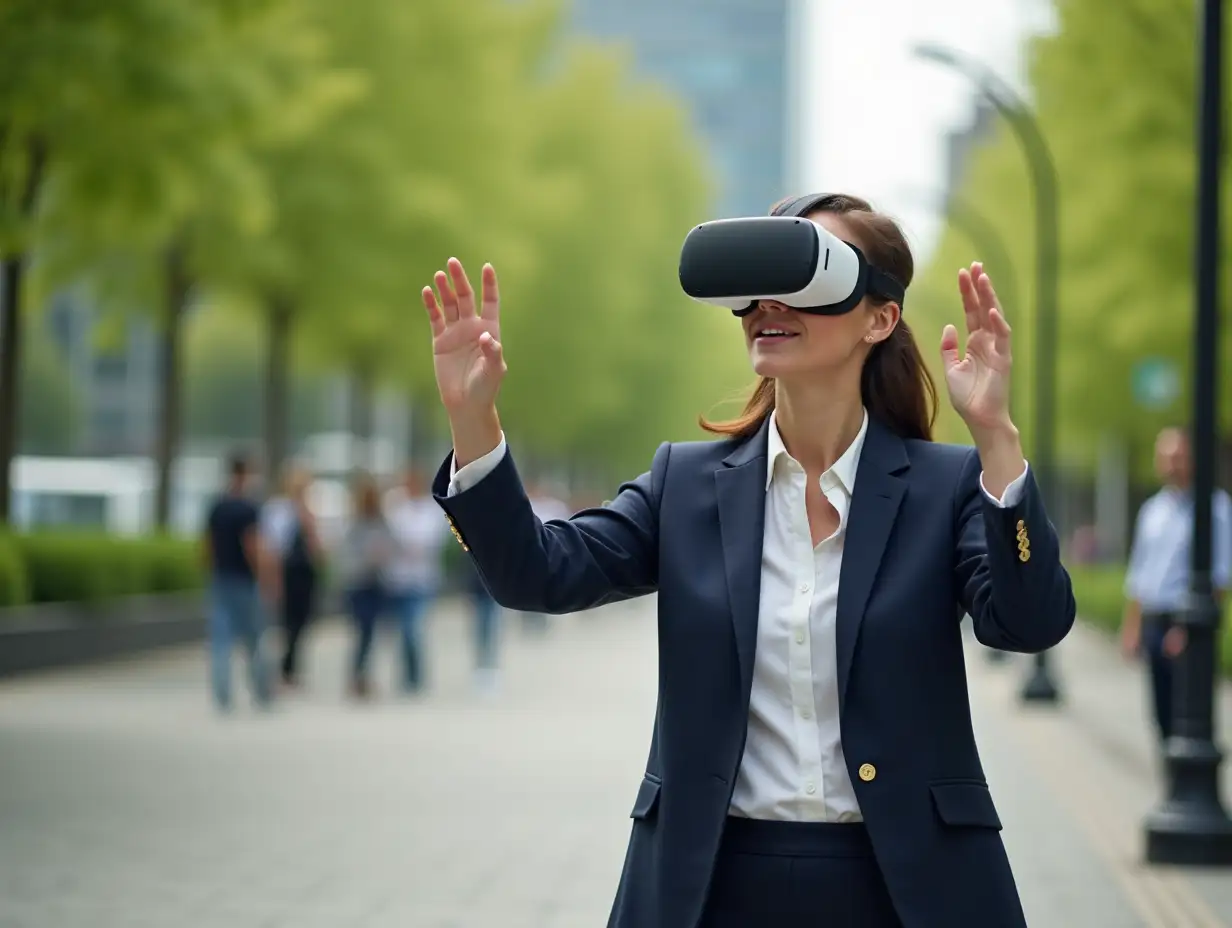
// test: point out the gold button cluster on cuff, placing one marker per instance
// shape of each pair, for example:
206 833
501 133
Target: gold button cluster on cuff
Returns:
1024 543
456 534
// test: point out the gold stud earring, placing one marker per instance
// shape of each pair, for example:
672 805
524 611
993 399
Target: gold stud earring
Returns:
868 338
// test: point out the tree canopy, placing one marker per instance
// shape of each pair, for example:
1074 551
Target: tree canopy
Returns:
1115 99
317 162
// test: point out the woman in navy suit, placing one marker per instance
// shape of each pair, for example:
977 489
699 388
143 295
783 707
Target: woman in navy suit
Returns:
812 761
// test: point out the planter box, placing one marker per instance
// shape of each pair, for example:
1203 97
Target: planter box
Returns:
54 635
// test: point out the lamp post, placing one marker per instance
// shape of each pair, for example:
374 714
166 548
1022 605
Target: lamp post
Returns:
1191 826
1040 685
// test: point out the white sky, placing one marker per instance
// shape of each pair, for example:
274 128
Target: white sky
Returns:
872 117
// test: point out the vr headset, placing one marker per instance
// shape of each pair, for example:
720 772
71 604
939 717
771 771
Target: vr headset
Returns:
782 257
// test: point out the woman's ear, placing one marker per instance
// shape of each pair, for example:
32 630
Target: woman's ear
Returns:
883 320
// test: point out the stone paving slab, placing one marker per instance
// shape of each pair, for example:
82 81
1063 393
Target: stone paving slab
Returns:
125 802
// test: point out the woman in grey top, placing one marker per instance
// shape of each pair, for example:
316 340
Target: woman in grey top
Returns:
366 552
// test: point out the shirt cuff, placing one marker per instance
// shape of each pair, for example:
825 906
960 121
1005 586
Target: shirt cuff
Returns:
1013 493
461 480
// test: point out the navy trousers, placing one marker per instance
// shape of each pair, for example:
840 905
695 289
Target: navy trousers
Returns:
818 875
1154 628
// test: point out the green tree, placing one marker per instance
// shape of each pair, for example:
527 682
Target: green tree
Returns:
429 158
146 114
608 352
1122 136
51 406
223 374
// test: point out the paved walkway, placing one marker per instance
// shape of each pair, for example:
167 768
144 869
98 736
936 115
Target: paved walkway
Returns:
125 802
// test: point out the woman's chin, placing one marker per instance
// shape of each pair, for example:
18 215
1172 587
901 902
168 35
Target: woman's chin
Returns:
766 365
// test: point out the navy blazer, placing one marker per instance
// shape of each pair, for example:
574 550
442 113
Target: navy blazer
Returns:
923 546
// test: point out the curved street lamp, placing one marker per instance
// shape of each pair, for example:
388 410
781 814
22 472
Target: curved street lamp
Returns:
1040 686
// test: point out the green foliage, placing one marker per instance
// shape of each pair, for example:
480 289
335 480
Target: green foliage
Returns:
1100 593
51 407
173 565
575 182
64 568
90 568
223 365
1122 135
14 584
326 158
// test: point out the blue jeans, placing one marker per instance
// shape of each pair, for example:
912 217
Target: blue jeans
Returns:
408 608
367 603
487 618
235 612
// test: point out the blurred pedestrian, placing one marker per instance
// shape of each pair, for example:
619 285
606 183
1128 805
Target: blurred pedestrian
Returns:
1158 577
414 574
366 553
486 615
238 567
289 527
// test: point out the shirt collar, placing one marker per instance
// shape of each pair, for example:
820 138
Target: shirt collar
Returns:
844 469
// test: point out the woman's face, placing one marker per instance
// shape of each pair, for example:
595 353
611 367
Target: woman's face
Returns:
813 344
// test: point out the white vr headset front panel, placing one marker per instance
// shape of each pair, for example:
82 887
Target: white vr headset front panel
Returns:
835 278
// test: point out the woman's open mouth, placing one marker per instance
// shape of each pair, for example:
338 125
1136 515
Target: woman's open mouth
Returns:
772 334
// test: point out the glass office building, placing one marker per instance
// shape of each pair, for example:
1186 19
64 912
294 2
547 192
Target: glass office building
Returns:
729 61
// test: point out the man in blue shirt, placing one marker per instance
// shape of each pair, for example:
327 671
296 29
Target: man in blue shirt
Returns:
1157 581
236 564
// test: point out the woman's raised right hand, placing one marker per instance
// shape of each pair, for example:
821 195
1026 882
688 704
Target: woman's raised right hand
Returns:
466 348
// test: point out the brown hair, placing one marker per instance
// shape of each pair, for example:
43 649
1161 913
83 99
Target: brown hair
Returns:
366 495
895 385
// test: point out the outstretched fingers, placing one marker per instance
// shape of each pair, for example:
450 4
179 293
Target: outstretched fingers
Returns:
490 309
436 318
462 286
988 296
950 355
970 299
1000 330
449 300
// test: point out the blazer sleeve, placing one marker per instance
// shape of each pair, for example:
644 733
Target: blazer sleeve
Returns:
595 557
1008 568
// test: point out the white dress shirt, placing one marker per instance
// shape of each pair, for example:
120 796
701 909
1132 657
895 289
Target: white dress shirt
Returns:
278 523
420 535
793 767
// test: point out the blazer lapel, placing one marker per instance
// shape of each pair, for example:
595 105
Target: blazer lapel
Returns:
741 487
874 506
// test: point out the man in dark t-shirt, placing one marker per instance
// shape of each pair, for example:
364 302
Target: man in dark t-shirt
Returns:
236 567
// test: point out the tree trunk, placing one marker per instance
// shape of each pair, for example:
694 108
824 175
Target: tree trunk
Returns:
361 416
12 271
277 382
10 375
167 442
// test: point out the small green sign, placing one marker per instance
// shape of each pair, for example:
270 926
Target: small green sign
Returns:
1156 383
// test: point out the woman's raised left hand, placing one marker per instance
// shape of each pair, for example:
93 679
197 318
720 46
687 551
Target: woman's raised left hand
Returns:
979 380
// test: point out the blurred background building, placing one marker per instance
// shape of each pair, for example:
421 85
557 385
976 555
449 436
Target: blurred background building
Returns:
114 382
731 62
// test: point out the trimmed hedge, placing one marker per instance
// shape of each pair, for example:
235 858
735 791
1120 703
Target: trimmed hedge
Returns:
14 582
1100 594
86 567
